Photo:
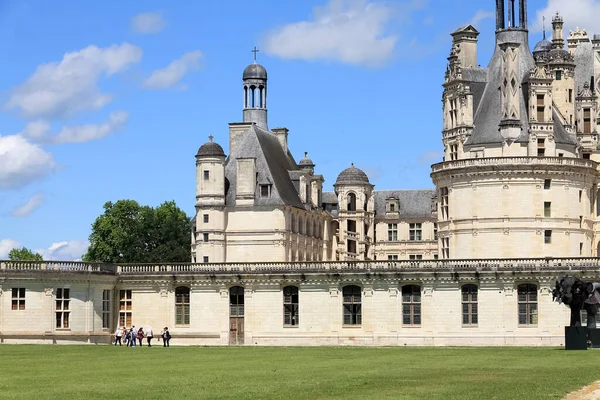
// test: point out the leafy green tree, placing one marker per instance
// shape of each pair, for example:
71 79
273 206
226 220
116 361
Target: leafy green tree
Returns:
24 254
128 232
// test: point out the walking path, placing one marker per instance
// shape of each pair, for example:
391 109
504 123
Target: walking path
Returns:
591 392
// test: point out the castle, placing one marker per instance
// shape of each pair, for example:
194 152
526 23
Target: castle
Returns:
276 260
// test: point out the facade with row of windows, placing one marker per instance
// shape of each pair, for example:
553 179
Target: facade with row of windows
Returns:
363 303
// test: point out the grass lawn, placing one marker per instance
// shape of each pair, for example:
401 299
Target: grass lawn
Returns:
108 372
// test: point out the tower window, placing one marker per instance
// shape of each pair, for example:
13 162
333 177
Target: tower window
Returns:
586 121
205 237
541 151
205 259
547 183
453 152
540 108
548 236
205 218
206 175
351 226
558 75
571 96
547 209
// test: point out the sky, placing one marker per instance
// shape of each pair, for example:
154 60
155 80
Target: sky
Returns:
110 100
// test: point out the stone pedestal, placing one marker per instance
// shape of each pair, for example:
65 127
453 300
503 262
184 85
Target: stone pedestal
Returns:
575 338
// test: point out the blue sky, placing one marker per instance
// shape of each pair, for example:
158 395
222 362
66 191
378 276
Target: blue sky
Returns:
110 100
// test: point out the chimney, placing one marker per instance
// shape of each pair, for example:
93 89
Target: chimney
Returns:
282 135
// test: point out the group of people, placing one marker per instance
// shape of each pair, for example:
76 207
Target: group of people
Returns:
133 335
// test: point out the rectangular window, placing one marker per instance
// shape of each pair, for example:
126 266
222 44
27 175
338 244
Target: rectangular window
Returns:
351 247
453 152
106 309
18 299
125 308
527 299
435 231
392 257
444 202
415 257
205 259
205 218
541 147
182 305
392 207
63 298
547 183
351 226
206 175
469 304
587 127
580 193
265 190
291 315
548 236
392 232
580 248
586 156
352 305
558 75
411 305
547 209
540 108
205 237
446 248
415 231
570 95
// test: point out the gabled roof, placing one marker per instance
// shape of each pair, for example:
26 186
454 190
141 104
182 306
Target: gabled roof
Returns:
465 29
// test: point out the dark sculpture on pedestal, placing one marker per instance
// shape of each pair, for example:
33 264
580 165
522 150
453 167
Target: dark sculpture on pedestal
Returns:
579 295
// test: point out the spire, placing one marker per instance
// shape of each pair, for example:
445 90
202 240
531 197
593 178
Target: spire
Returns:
544 26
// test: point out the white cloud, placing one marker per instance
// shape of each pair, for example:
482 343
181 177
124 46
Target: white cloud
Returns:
480 15
65 251
33 204
6 245
349 31
172 74
22 162
148 23
582 13
59 89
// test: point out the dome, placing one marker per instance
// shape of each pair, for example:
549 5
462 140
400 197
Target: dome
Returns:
306 162
352 175
210 149
255 71
543 46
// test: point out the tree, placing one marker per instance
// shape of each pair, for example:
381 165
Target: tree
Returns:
127 232
24 254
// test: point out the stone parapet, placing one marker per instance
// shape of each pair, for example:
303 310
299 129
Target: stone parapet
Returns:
513 162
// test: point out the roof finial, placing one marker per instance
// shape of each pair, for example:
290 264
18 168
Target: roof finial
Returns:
544 26
352 165
210 138
306 154
255 50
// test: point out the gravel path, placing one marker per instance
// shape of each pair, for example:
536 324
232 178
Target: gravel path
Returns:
591 392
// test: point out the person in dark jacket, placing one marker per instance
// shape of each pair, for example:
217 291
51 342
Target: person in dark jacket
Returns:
166 336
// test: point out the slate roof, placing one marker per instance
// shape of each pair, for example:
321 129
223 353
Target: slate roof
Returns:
412 203
351 176
255 71
272 166
584 64
210 149
560 133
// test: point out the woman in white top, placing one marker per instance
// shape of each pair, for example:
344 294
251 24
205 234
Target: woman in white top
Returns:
118 336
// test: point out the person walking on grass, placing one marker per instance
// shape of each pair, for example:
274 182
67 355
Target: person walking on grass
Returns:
133 340
127 336
149 335
140 335
166 336
118 336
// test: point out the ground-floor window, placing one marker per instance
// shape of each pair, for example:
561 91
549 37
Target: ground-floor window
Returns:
469 304
352 305
106 309
527 299
182 305
125 308
18 299
63 299
411 305
290 306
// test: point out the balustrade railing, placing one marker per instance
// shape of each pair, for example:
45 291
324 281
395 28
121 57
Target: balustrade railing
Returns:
491 161
482 265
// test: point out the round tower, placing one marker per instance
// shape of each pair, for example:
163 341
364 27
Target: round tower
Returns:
355 214
209 240
255 94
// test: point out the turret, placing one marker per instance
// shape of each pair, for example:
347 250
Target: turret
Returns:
255 94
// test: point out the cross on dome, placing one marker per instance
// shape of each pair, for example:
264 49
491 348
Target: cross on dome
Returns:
210 138
255 50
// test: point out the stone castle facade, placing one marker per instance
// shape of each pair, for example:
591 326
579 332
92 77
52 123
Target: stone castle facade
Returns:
278 260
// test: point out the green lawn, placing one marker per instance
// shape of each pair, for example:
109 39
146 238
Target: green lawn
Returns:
108 372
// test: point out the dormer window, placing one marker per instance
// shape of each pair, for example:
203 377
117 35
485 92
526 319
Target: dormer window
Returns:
391 205
265 191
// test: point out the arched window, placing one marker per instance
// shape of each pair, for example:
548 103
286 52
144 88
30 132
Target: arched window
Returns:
182 305
352 305
469 304
290 306
411 305
351 202
527 298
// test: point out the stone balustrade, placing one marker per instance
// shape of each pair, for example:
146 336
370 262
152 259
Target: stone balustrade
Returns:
519 264
512 161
